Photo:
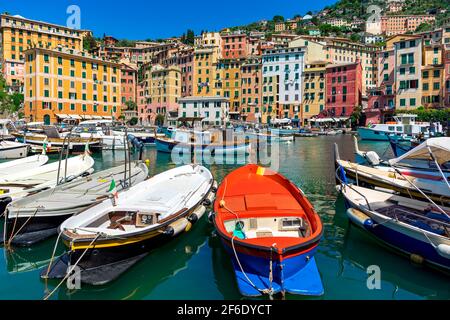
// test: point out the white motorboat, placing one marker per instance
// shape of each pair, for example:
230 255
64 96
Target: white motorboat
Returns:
20 165
13 150
38 216
23 183
121 231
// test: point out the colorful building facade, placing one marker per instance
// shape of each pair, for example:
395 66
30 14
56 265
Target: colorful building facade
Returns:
343 88
65 83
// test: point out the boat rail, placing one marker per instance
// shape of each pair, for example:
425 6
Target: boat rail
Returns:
345 184
410 213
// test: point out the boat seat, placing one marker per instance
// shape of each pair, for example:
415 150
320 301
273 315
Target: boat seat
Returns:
264 233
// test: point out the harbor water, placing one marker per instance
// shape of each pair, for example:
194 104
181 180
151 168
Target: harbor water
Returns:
195 266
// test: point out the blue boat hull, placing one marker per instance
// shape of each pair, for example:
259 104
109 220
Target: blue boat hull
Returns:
298 275
405 243
399 149
169 147
374 135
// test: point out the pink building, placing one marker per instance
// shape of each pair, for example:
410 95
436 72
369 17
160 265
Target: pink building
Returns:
381 99
234 46
343 88
142 106
185 61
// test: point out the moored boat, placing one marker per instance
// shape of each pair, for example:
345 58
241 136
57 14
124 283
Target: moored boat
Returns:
271 232
24 164
21 184
420 187
13 150
105 240
414 228
37 217
168 145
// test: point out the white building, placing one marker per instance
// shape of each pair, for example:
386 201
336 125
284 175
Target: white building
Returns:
213 110
372 38
284 67
373 27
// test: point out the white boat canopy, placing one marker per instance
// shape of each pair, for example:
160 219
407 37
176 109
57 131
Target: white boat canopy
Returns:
439 147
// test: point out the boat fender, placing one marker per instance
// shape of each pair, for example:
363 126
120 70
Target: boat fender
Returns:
444 250
415 258
211 197
215 187
360 219
197 214
211 216
177 227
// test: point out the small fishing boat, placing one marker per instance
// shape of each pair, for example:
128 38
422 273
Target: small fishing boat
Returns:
26 182
414 228
20 165
54 139
108 238
38 216
13 150
271 232
400 148
168 145
406 183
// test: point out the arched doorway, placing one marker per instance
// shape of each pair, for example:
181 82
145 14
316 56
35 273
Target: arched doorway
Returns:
47 120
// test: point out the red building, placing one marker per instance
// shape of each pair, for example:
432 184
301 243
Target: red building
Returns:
110 41
234 46
343 88
128 84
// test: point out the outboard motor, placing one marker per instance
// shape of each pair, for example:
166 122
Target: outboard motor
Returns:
137 144
373 158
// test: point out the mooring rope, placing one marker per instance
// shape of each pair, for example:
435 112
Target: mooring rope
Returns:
73 267
13 235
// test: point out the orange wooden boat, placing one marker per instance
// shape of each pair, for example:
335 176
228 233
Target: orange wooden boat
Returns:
271 232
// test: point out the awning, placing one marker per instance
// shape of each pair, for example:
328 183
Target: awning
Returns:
321 120
107 117
75 117
63 116
440 148
281 121
96 117
86 117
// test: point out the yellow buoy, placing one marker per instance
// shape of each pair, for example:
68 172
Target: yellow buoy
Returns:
188 227
222 203
147 162
416 258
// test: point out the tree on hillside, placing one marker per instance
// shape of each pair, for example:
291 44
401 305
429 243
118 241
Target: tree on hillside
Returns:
89 43
277 19
190 37
424 27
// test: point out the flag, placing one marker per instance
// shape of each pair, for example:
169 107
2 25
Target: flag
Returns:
113 189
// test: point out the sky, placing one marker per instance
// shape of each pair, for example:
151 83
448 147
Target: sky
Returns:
150 19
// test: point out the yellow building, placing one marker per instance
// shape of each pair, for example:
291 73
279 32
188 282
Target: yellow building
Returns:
433 84
313 89
63 83
270 100
165 89
204 72
229 83
18 34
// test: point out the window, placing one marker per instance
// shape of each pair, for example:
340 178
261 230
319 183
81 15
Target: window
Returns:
46 69
412 70
412 102
402 102
436 86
